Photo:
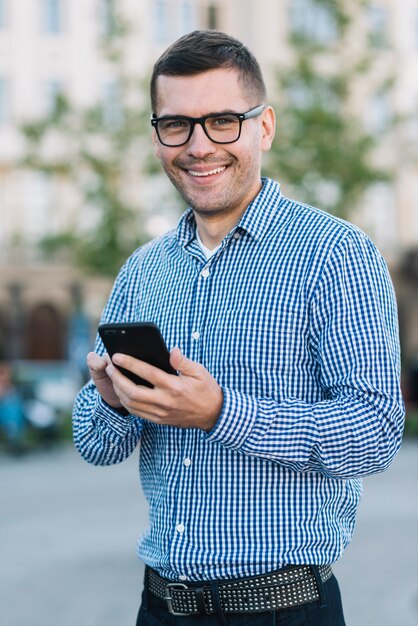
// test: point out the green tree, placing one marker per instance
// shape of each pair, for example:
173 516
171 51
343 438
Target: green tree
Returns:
101 152
322 152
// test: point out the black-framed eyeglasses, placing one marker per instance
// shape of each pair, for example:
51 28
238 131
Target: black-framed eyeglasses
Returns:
175 130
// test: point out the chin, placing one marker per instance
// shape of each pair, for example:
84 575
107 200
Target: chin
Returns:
207 210
211 207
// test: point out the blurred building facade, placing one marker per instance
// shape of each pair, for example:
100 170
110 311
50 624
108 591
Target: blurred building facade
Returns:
53 46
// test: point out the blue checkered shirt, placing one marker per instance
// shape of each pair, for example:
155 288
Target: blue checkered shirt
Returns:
295 317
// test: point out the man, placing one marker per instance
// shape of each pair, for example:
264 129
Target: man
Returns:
12 414
282 325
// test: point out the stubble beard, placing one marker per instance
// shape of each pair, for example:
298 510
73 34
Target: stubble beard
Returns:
220 204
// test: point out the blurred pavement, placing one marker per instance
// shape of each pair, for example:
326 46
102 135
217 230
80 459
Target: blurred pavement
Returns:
68 535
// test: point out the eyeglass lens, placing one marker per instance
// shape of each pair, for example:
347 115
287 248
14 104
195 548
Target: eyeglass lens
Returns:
219 128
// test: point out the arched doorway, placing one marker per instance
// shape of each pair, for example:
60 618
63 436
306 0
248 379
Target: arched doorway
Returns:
3 352
45 338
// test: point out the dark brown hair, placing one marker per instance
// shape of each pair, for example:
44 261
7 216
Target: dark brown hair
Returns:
203 50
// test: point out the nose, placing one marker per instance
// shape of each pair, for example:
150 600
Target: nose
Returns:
199 144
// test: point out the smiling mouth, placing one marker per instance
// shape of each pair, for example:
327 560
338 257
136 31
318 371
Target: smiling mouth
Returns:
217 170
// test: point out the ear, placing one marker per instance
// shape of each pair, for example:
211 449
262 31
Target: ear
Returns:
156 144
268 128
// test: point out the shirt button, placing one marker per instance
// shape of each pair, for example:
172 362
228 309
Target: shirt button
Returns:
237 235
182 577
196 335
187 462
180 528
205 273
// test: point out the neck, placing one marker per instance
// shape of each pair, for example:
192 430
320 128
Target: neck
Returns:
212 229
214 226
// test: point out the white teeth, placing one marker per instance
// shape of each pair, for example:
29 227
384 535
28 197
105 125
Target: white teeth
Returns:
218 170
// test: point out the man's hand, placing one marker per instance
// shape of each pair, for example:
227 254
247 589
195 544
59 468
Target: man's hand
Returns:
97 366
191 400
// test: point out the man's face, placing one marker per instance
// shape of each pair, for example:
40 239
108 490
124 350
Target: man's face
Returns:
213 178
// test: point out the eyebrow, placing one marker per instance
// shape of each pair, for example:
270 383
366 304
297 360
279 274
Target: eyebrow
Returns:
223 112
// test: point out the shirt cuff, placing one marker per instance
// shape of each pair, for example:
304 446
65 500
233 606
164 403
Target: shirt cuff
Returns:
236 421
113 418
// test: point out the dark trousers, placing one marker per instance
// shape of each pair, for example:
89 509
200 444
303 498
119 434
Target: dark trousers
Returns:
327 611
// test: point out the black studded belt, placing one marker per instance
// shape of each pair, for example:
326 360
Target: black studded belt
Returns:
292 586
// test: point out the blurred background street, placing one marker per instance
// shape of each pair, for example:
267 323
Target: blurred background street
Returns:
68 533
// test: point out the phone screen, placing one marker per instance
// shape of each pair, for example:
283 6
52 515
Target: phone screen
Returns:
142 340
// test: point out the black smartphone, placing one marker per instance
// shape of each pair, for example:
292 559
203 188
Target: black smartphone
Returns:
141 340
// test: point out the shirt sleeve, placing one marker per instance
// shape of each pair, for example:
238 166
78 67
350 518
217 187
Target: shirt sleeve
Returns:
356 429
103 435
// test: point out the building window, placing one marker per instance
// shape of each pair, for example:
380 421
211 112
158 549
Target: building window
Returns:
38 219
52 16
313 21
4 100
108 17
111 104
213 19
3 200
53 89
187 17
378 26
416 29
378 216
379 114
320 95
3 18
161 25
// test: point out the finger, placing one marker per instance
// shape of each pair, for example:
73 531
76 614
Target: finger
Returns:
128 389
139 400
153 375
95 362
185 366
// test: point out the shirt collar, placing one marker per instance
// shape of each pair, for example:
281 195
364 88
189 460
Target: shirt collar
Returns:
255 221
262 210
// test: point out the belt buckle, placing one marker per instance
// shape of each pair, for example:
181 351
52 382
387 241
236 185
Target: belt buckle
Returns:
169 599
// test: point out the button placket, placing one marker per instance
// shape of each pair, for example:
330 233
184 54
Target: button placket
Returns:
205 273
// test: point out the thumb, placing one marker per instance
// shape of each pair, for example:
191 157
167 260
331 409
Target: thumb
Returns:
181 363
